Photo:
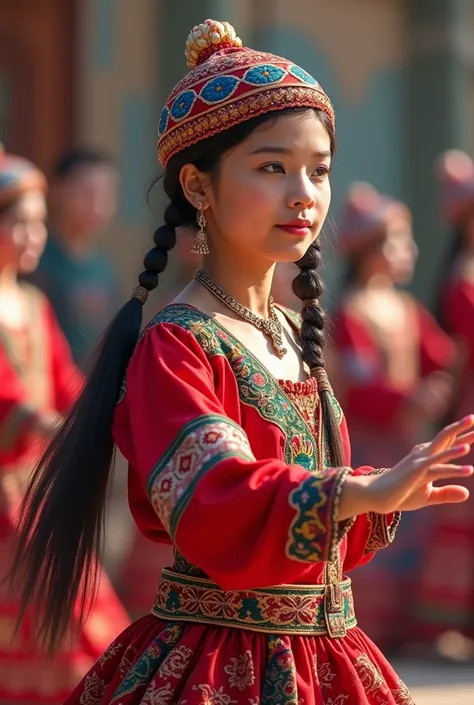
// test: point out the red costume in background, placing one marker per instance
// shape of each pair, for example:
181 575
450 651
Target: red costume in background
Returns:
37 376
381 357
446 596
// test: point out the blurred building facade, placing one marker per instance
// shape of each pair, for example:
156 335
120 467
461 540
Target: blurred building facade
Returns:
400 73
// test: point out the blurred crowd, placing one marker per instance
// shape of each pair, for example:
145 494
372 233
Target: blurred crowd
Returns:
399 371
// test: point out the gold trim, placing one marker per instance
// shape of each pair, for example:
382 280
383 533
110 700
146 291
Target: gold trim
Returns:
281 609
238 109
381 533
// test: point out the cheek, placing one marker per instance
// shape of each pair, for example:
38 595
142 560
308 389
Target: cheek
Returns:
323 198
244 203
19 235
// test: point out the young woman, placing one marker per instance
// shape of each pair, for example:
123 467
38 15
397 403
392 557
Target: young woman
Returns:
238 450
39 383
446 599
392 382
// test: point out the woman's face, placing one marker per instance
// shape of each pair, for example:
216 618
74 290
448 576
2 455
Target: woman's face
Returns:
272 192
394 256
23 232
400 252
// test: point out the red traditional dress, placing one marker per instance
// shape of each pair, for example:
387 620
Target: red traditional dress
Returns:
230 466
381 368
446 597
37 375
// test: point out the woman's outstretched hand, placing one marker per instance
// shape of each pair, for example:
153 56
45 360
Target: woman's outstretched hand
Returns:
409 485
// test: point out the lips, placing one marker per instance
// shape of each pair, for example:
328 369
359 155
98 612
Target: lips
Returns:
300 228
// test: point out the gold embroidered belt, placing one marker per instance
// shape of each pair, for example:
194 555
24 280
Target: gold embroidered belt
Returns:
285 609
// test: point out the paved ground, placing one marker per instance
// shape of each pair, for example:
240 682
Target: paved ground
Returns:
435 685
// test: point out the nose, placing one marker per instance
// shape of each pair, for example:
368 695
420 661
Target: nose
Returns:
302 193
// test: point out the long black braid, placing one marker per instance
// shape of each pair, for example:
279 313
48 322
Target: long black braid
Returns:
308 287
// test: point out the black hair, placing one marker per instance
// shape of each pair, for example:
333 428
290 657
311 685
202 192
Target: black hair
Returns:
61 521
76 158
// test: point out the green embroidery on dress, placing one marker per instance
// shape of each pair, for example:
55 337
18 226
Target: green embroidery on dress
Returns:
280 686
337 408
143 670
257 387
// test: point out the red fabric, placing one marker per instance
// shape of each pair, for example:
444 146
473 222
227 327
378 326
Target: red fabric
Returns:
154 662
375 399
458 308
26 674
66 377
249 549
445 593
13 395
374 409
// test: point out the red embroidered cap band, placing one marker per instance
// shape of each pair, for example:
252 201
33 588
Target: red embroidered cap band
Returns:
229 84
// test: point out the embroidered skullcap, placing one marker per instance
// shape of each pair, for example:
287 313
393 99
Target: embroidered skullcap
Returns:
229 84
455 172
17 175
366 215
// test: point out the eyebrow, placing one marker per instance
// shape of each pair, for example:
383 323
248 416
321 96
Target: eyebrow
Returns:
270 149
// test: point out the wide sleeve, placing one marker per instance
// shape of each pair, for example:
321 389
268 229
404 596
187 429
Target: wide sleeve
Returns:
437 350
361 385
17 415
369 532
67 379
245 521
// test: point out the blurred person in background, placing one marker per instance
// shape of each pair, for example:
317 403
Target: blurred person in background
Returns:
394 381
39 382
80 282
445 609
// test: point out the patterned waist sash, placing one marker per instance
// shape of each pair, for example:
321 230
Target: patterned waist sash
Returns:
285 609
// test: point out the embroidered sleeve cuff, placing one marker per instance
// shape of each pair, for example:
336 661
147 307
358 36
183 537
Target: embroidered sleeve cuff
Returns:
383 528
201 445
315 534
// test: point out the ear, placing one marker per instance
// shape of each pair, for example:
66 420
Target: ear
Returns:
195 184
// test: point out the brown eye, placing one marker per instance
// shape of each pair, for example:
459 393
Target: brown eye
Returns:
321 172
274 168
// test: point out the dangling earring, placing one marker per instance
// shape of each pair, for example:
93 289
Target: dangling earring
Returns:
200 246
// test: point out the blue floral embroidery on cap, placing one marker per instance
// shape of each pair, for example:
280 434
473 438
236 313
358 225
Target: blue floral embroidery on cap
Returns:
219 88
163 123
303 75
183 104
264 74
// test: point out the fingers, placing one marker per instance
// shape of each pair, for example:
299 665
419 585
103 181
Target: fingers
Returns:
466 438
451 432
450 494
447 471
442 456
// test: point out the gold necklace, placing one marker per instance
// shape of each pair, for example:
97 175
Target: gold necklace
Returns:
269 326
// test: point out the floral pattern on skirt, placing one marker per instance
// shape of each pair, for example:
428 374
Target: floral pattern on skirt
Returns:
157 663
